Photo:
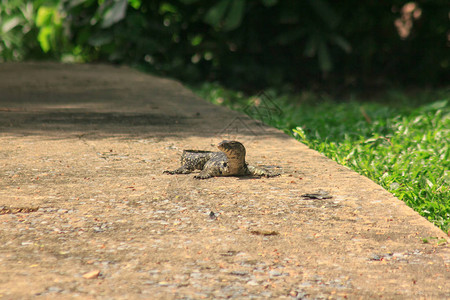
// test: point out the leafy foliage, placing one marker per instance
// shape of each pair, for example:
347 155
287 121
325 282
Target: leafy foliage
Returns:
16 29
398 142
31 29
248 44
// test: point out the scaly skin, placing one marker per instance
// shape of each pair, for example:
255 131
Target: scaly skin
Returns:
229 162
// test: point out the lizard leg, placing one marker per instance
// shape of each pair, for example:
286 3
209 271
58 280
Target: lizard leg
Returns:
203 175
255 171
209 172
180 170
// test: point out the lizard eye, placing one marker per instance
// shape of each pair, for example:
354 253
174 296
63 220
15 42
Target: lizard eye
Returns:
225 164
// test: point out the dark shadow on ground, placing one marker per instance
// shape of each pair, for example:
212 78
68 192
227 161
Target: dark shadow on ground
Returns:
100 101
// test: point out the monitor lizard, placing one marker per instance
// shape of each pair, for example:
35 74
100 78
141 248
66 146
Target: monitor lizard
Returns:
229 162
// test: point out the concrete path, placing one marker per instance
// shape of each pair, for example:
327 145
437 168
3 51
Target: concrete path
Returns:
85 211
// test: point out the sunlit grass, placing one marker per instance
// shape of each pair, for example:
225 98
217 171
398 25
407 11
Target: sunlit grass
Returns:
396 141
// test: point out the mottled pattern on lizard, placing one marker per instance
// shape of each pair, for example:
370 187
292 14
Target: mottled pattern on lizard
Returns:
229 162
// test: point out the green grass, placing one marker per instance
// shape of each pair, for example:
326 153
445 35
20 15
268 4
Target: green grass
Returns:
395 140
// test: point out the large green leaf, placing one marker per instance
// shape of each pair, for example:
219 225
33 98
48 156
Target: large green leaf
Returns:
216 13
74 3
135 3
44 16
44 38
323 54
10 24
228 13
100 39
341 42
115 13
235 15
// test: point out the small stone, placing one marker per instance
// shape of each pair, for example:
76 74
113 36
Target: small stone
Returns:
375 257
320 194
239 273
196 275
92 275
98 229
252 283
54 289
274 273
212 215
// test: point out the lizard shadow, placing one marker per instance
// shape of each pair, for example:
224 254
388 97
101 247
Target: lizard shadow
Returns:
250 177
255 177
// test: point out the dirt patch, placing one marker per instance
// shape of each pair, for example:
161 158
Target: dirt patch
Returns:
90 214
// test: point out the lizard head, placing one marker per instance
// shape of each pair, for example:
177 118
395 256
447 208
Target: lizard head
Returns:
232 148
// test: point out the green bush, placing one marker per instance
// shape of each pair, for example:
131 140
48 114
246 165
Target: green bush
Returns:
31 30
17 30
248 44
